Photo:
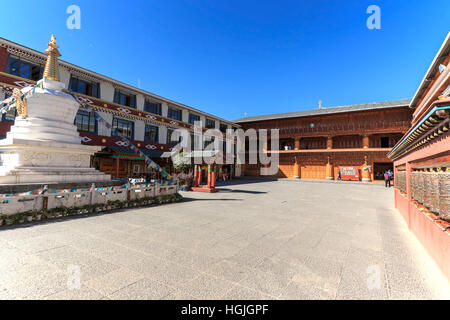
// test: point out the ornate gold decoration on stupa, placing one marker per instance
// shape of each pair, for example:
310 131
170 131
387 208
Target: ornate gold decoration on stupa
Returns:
51 71
21 106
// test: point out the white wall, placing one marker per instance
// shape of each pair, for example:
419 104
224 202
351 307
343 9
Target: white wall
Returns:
203 121
64 76
140 101
162 134
139 130
106 91
184 116
164 109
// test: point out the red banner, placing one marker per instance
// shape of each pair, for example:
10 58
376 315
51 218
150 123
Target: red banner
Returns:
349 173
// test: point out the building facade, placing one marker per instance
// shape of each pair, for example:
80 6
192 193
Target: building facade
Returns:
148 120
339 142
422 162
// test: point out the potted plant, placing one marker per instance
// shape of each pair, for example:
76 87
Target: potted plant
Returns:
37 215
29 216
20 218
9 220
2 219
44 214
51 214
85 209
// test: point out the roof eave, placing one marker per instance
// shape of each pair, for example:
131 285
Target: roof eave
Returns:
443 50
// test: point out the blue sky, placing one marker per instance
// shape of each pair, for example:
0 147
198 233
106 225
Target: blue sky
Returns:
234 57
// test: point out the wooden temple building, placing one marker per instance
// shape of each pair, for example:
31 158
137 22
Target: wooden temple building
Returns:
422 162
350 142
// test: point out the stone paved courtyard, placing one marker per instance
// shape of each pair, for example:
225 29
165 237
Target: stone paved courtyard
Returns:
253 240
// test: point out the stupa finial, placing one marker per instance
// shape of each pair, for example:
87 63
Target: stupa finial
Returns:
51 71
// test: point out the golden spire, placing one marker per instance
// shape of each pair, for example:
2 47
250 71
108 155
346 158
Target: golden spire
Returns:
51 71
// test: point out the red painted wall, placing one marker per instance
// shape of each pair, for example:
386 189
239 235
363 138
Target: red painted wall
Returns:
435 240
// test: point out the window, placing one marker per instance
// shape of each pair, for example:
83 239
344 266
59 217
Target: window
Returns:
169 137
210 124
85 122
384 142
151 133
125 99
174 114
152 107
193 118
84 87
223 128
24 69
124 127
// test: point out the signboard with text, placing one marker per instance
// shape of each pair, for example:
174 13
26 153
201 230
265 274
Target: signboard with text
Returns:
349 173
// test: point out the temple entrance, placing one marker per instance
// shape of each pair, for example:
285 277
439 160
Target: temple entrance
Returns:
380 168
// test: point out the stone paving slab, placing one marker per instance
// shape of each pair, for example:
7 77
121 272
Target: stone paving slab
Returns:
256 239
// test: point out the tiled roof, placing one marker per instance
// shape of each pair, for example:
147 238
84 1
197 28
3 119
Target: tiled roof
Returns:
331 110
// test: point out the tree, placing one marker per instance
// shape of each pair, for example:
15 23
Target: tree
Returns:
181 162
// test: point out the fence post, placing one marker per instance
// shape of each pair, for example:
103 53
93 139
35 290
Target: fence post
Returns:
92 193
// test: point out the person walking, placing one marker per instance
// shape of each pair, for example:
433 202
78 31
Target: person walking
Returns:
387 181
391 177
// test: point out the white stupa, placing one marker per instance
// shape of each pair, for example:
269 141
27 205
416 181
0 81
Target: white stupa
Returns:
44 146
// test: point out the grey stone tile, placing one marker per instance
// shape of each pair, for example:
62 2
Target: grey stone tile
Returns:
241 293
307 291
318 271
40 243
407 278
38 286
229 271
113 281
163 271
206 287
279 267
144 289
366 284
82 293
69 257
268 283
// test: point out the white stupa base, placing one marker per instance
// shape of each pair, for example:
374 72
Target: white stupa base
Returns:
44 146
31 161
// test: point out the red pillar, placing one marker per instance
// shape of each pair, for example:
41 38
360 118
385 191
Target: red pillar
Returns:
195 183
209 176
213 177
199 176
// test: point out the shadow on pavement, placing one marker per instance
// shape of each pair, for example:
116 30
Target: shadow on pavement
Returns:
241 191
186 199
245 180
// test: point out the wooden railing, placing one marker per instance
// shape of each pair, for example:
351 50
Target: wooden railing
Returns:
345 126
